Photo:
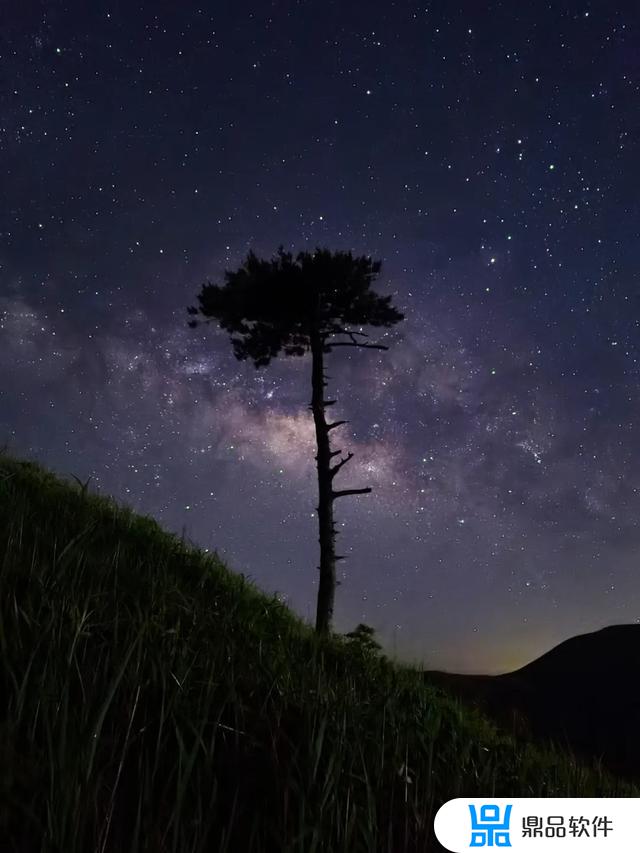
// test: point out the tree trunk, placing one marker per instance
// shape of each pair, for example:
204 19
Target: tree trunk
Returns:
327 584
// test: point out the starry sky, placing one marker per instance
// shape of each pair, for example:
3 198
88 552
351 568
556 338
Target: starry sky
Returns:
486 153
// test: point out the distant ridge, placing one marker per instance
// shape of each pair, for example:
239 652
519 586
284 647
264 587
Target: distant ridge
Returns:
603 650
584 693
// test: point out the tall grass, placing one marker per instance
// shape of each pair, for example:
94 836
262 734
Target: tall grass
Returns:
155 701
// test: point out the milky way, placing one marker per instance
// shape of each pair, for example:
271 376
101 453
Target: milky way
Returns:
488 156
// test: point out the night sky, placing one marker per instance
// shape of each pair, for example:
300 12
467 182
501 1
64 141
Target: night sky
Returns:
486 153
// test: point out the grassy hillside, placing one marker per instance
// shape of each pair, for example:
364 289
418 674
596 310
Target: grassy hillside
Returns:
156 701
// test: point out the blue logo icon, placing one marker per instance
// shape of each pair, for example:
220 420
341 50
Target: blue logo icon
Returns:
488 830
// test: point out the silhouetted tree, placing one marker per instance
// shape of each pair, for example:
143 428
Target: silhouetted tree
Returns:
311 303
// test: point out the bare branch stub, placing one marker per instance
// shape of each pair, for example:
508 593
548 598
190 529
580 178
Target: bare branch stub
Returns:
334 470
344 492
360 346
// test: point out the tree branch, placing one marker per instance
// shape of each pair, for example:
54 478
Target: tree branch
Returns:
344 492
349 332
336 424
324 404
355 344
333 471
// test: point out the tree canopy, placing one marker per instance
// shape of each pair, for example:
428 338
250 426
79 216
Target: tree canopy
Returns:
273 306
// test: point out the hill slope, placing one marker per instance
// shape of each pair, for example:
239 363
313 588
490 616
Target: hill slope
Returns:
587 691
156 701
584 693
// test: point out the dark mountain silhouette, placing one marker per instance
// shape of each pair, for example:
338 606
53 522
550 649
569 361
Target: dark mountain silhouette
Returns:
584 694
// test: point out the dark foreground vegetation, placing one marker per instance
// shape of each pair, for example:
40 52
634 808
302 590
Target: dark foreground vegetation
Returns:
153 700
